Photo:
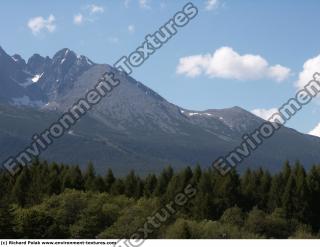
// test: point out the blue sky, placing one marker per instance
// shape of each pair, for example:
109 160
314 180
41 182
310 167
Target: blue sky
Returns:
253 54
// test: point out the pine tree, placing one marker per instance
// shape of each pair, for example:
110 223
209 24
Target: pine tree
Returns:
21 187
6 222
109 180
263 189
117 187
130 184
286 171
139 189
54 180
289 198
203 207
73 179
89 178
197 172
248 187
227 189
275 193
313 181
302 204
163 181
36 182
174 187
150 185
187 175
6 183
99 184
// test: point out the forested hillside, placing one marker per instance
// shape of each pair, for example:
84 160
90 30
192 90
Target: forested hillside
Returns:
60 201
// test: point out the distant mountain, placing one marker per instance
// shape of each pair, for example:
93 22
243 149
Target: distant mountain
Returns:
133 128
41 79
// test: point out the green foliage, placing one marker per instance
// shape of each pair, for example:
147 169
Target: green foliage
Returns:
109 180
60 201
73 179
150 185
185 229
303 232
35 223
6 221
256 221
233 216
181 229
21 188
137 215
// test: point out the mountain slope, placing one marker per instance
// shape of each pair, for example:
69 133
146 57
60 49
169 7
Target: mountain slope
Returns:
132 128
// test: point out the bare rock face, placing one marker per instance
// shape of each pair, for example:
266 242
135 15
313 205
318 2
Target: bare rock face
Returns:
133 127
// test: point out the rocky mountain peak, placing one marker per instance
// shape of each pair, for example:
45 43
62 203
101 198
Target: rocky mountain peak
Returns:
64 57
19 60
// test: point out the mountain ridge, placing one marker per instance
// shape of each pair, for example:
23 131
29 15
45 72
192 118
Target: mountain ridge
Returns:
134 125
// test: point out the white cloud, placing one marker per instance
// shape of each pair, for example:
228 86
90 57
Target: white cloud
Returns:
37 24
78 19
211 4
315 131
264 113
193 66
310 67
131 28
279 73
95 9
144 4
228 64
89 14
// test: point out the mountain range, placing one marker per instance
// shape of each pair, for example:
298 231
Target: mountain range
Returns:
132 128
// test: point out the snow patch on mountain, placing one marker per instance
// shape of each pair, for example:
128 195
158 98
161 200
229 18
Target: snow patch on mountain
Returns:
191 114
36 78
31 80
14 59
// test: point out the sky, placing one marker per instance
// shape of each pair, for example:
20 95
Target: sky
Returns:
248 53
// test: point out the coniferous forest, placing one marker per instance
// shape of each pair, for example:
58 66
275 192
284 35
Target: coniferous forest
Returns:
60 201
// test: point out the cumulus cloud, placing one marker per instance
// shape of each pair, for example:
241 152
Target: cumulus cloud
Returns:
131 28
78 19
310 67
94 9
315 131
264 113
228 64
88 14
144 4
211 4
39 23
279 73
193 65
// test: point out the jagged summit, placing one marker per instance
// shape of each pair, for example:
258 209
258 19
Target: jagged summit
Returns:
133 126
67 56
